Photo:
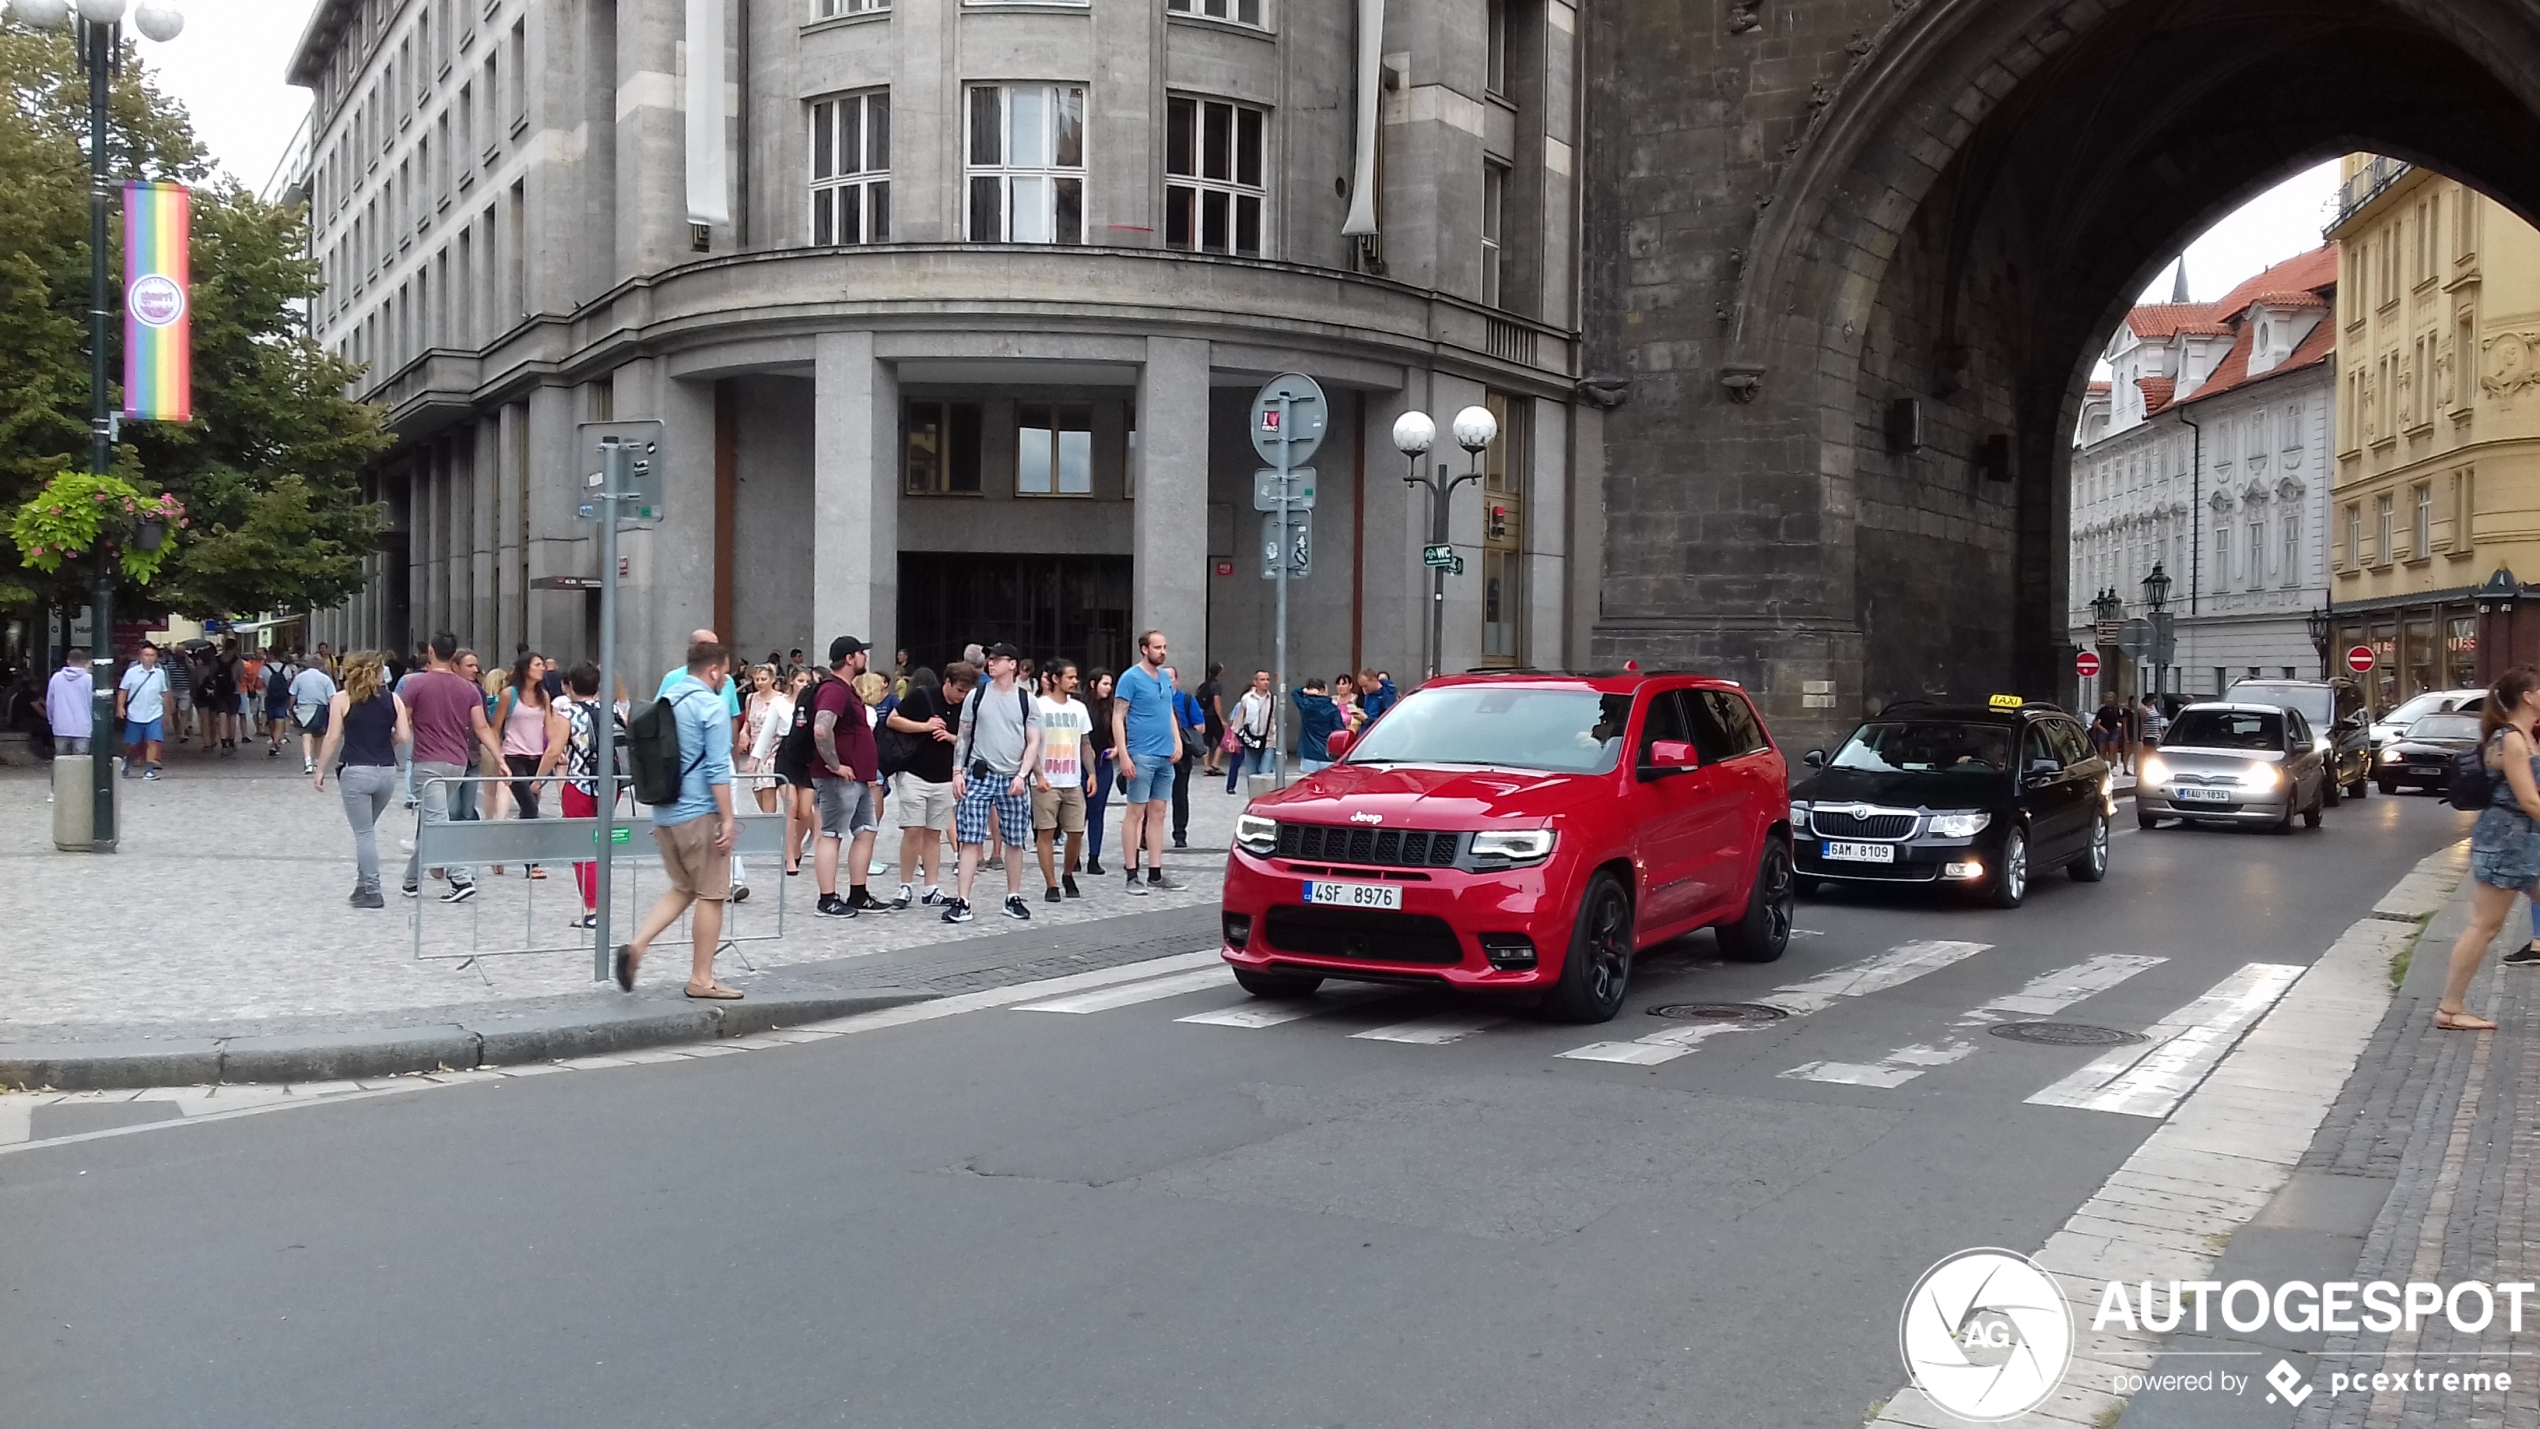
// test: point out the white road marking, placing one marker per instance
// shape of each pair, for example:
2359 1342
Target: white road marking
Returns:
1105 999
1432 1031
1895 967
2043 996
1266 1012
2185 1046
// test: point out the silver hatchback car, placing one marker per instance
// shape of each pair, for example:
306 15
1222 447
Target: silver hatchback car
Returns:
2234 763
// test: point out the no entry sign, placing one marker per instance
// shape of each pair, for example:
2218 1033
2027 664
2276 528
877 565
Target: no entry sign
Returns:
2359 659
2085 664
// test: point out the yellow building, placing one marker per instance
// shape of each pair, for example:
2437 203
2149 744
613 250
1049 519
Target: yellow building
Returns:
2438 428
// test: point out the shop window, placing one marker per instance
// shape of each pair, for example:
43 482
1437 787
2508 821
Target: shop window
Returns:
1054 451
940 448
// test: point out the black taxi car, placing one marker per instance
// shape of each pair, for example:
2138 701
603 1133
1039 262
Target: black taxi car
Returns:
1980 797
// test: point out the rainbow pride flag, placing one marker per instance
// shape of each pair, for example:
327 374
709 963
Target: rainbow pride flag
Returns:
158 276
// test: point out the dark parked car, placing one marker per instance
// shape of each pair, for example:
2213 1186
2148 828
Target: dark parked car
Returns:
2334 709
2422 758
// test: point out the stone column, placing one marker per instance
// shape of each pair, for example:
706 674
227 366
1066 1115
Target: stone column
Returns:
649 192
1547 554
855 572
561 623
1170 543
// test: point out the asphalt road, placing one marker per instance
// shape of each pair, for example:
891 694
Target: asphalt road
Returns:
1011 1217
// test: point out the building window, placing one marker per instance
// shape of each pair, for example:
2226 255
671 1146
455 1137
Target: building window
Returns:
1494 197
2461 493
2257 554
1027 163
1495 47
2222 556
1213 191
2421 531
2384 530
1507 472
1242 12
939 448
1053 451
2291 574
832 9
2354 536
851 169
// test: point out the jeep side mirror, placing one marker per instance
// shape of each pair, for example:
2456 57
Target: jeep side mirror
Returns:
1667 756
1337 743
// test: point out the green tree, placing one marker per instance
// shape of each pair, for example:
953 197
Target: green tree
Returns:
269 469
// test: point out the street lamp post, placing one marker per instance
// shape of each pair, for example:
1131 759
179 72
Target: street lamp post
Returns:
1413 435
2321 625
2498 596
2156 598
99 27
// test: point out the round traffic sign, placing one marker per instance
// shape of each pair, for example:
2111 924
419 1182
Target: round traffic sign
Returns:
2359 659
1294 427
2086 664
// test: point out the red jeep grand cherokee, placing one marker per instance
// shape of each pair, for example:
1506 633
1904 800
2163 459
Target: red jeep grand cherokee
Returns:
1524 833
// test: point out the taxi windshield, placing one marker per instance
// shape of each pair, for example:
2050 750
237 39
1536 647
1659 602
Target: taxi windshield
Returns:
1501 726
1926 747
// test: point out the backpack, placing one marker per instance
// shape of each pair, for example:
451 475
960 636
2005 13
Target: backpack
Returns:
795 747
2473 784
652 754
970 709
894 750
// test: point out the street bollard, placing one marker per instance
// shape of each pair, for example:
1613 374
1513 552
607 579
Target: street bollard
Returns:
74 803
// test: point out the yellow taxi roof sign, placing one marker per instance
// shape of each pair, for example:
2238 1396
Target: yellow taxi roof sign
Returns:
2005 702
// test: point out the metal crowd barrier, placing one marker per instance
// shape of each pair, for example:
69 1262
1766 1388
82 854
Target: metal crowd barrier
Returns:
556 844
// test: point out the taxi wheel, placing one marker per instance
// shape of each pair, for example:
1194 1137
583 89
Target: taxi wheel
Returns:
1261 984
2092 866
2010 880
1598 967
1763 931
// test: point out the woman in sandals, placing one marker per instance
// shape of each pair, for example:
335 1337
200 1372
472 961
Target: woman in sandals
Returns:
2504 846
365 721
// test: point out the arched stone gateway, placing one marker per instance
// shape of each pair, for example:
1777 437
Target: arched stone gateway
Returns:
1852 255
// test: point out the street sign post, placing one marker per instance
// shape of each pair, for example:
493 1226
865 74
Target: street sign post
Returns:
2086 664
1437 557
2359 659
628 482
641 504
2134 638
1288 418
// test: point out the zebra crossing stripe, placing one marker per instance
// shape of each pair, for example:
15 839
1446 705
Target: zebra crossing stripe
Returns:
1262 1013
1432 1031
1895 967
1104 999
2186 1045
2043 996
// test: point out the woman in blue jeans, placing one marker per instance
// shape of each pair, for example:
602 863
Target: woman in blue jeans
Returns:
366 722
1098 741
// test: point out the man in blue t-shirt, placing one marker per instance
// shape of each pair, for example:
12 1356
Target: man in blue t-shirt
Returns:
731 693
1146 741
696 831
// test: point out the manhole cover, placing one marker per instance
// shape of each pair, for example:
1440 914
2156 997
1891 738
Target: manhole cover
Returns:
1718 1012
2064 1034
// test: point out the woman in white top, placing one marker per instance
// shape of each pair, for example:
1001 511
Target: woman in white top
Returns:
770 714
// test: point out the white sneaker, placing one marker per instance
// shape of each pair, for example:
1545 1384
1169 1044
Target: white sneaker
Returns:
308 766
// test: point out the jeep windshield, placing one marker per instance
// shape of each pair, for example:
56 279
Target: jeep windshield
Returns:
1503 727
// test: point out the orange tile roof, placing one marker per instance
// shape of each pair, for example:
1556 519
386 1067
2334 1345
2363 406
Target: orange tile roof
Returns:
2234 370
2100 389
2294 283
2156 393
2163 320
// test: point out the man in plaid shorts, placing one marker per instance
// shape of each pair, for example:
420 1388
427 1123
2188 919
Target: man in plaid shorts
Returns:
993 765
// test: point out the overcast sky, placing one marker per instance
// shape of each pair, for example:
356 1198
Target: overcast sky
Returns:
227 68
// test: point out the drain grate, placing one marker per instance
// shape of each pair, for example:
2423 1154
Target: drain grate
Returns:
1718 1012
2064 1034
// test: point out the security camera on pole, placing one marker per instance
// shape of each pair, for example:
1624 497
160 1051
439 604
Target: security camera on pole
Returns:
1413 435
1287 425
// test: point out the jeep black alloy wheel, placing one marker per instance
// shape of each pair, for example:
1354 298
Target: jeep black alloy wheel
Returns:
1763 931
1598 968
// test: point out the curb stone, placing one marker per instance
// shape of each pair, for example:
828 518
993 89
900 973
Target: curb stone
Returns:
383 1052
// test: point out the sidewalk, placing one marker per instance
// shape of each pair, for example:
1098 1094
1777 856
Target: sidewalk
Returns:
217 943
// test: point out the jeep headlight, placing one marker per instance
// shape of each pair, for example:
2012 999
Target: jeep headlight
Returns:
1256 835
1513 846
1959 826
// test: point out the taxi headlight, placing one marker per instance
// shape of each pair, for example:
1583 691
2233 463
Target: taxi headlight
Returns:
1800 809
1256 835
1959 826
2390 756
1513 846
2261 776
2152 770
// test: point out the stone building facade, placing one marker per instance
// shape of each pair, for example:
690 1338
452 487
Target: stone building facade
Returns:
2438 433
2207 454
952 313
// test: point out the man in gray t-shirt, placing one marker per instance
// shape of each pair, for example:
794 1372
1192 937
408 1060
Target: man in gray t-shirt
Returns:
999 751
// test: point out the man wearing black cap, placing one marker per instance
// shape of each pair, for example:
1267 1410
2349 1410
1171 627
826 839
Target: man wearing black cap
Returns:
846 774
999 752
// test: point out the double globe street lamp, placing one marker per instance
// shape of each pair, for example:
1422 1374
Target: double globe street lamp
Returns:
99 26
1413 435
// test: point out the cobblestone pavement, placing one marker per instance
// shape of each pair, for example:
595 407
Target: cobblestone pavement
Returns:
226 906
2442 1116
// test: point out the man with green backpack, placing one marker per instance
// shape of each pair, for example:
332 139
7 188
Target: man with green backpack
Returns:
680 748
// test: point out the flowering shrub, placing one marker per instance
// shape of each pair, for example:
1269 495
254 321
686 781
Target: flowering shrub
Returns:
67 518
